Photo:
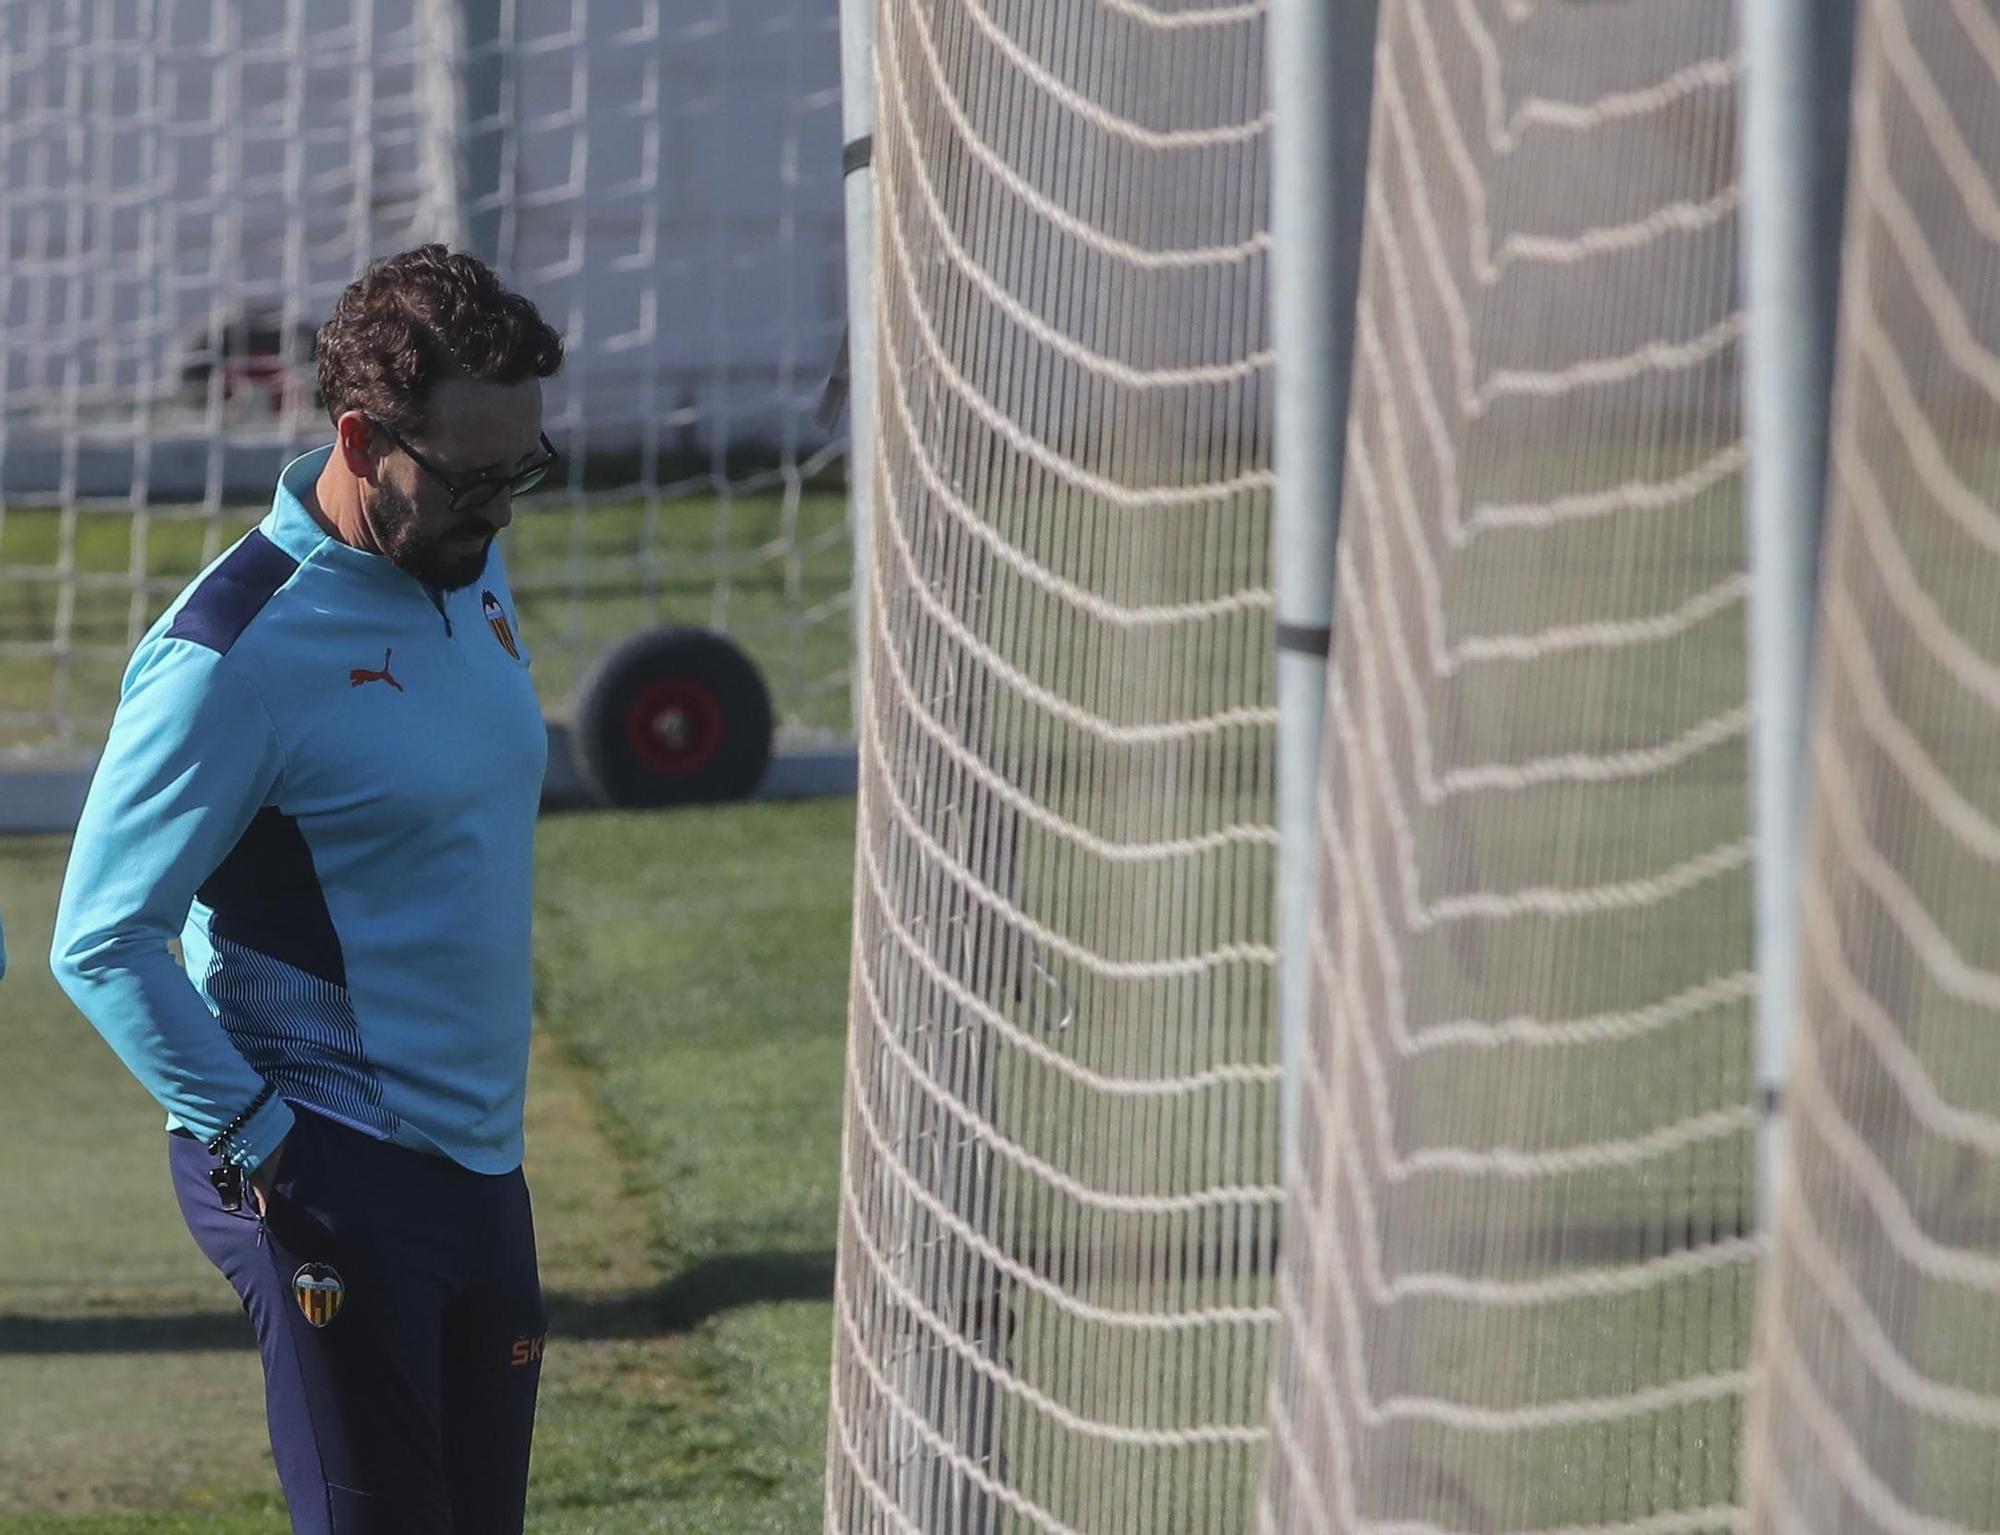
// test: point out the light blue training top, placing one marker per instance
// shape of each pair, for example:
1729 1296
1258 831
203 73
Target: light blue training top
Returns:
322 778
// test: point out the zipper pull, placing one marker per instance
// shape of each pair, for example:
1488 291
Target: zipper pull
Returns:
437 601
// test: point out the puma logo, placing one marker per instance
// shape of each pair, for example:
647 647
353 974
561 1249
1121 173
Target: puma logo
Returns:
361 674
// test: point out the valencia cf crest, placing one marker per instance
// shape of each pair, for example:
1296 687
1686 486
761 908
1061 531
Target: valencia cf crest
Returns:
319 1290
497 617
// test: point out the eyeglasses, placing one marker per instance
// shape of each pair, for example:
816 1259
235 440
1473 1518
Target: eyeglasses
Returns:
472 494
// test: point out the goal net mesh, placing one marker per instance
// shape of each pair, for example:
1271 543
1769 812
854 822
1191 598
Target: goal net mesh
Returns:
1516 1277
187 185
1878 1359
1054 1294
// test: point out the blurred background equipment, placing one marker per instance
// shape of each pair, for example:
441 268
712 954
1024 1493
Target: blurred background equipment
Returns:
672 716
188 186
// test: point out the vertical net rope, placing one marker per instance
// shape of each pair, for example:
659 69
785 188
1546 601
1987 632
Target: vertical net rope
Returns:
1516 1274
1879 1339
1059 1195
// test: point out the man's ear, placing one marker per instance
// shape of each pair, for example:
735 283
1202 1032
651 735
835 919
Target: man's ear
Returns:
357 444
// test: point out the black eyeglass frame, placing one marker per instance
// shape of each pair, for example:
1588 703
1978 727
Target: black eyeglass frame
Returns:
519 483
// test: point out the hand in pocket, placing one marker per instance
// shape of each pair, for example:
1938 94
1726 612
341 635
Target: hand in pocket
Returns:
267 1172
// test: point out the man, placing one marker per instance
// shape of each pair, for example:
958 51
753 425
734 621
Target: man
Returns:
322 778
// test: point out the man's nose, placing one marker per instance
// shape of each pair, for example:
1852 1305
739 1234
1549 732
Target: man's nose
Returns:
500 511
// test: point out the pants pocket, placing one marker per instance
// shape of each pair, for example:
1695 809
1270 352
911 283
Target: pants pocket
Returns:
298 1145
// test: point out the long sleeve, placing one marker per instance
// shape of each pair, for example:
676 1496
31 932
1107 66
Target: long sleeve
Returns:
192 757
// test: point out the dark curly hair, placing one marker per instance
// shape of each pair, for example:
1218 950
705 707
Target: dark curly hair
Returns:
412 319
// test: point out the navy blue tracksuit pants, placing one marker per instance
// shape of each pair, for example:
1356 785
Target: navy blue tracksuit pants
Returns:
399 1313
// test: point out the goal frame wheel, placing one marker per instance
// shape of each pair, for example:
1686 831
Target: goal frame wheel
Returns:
675 715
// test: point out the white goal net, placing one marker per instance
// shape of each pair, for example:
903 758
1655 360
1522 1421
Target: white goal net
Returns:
186 186
1059 1196
1879 1343
1516 1274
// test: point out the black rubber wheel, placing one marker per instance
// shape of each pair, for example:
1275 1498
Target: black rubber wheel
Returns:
672 716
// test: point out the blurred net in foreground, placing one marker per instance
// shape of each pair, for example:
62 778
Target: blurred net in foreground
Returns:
1878 1353
1059 1202
1516 1276
186 186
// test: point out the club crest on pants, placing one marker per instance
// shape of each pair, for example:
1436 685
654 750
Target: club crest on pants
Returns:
319 1290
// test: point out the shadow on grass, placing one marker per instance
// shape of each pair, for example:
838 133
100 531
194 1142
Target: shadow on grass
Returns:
678 1305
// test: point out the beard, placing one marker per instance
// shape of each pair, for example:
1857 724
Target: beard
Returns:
448 560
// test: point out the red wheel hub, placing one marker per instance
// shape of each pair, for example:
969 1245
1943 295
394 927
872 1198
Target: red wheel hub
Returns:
675 725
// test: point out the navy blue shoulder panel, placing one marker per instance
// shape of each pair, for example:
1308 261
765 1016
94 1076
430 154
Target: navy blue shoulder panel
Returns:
220 609
266 896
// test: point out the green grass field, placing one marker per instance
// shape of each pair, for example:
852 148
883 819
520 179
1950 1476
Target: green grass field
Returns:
586 573
683 1153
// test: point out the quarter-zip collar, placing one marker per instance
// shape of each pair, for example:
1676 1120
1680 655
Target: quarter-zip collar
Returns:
294 529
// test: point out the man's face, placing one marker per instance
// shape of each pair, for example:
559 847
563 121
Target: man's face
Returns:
474 430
